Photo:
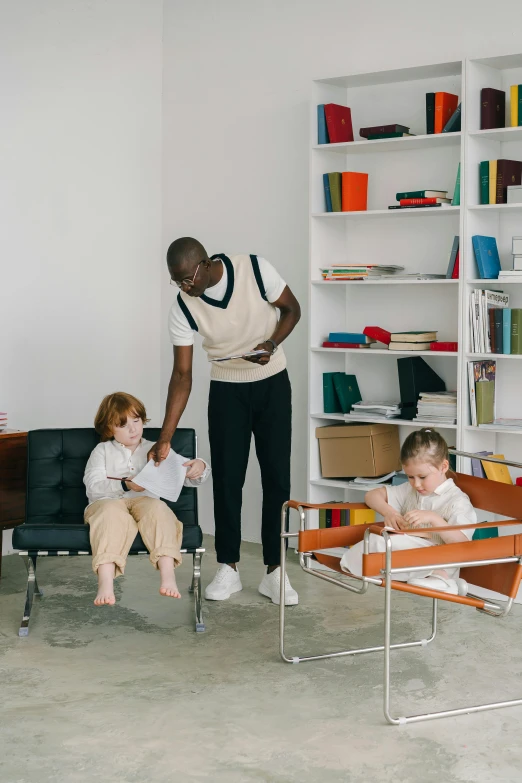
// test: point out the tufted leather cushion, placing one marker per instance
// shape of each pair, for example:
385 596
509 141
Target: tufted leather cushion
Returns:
56 496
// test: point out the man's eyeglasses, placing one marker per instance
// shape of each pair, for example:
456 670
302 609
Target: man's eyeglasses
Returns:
187 282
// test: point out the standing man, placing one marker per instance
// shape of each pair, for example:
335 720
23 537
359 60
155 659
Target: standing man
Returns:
232 303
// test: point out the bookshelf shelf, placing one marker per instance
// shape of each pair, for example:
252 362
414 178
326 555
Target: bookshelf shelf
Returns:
503 430
392 145
495 208
337 483
498 134
392 213
384 281
493 356
376 420
383 352
487 283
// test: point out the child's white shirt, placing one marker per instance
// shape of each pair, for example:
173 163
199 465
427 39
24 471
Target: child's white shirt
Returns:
113 459
447 500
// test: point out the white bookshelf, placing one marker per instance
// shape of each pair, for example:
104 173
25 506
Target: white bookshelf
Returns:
421 244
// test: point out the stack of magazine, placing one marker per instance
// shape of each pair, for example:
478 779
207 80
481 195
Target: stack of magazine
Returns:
437 407
374 410
486 318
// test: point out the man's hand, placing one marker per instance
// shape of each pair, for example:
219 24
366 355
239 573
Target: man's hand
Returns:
135 487
159 451
395 520
262 358
196 468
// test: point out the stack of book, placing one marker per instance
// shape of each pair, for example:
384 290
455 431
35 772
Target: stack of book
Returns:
376 132
420 199
495 327
443 112
345 191
3 421
514 275
402 341
494 178
374 410
340 392
481 380
334 124
348 340
358 271
437 407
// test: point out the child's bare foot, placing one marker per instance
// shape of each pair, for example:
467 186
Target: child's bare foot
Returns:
105 595
168 586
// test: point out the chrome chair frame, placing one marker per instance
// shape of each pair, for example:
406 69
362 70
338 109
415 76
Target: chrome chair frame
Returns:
489 607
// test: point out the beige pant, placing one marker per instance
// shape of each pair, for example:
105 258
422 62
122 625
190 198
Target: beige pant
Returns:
114 524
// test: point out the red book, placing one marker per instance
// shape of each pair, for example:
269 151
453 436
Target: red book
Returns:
492 108
338 122
378 334
445 105
336 517
455 273
328 344
509 172
444 346
354 191
410 202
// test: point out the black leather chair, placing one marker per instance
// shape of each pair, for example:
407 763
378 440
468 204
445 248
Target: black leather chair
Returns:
56 500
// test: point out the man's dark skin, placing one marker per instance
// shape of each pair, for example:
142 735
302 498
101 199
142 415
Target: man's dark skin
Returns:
195 273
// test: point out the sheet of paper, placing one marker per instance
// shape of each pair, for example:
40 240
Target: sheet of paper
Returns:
239 356
166 480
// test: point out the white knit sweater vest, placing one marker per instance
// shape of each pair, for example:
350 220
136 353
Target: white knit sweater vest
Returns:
242 320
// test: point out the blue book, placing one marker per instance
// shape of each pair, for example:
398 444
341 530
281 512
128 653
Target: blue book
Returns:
506 330
348 337
327 193
486 256
322 130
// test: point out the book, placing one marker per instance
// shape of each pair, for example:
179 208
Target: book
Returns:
331 403
444 346
506 330
516 330
377 333
486 256
509 172
422 194
354 190
513 107
455 201
456 268
334 178
374 136
430 112
336 517
492 181
484 377
482 303
327 193
498 330
520 104
338 123
495 471
413 337
365 132
492 108
407 346
322 518
329 344
471 389
347 390
410 202
453 125
322 130
453 257
416 376
476 464
484 181
416 206
445 105
349 337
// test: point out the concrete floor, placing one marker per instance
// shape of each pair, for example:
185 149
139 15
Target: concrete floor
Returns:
132 695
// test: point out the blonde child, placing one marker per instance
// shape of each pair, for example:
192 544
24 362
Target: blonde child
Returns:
119 508
429 499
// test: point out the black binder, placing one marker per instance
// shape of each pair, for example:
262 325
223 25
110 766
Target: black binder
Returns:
416 376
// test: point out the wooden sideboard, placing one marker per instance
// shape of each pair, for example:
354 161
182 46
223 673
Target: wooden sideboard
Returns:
13 473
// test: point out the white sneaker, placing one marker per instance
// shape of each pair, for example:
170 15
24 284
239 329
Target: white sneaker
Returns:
441 583
270 586
225 582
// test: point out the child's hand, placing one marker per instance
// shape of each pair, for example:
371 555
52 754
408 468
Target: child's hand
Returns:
419 519
395 520
135 487
196 468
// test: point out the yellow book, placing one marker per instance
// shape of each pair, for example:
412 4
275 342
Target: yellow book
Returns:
497 472
492 181
362 516
514 105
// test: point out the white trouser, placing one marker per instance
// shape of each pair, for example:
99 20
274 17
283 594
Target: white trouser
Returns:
352 559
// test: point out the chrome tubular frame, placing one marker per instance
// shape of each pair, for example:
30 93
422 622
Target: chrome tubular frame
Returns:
32 590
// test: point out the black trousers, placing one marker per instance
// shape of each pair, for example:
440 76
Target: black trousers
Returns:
235 411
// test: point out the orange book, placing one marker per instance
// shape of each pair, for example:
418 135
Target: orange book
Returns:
354 191
445 105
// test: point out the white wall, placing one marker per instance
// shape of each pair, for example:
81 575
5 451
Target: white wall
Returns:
80 205
236 87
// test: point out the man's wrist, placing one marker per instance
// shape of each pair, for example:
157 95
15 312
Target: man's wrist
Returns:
273 344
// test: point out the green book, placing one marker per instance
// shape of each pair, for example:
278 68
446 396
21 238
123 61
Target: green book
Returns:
487 532
484 181
322 517
485 400
456 193
516 330
347 390
520 104
331 402
335 190
372 136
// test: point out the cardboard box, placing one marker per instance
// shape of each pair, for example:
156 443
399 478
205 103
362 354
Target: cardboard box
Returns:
349 450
